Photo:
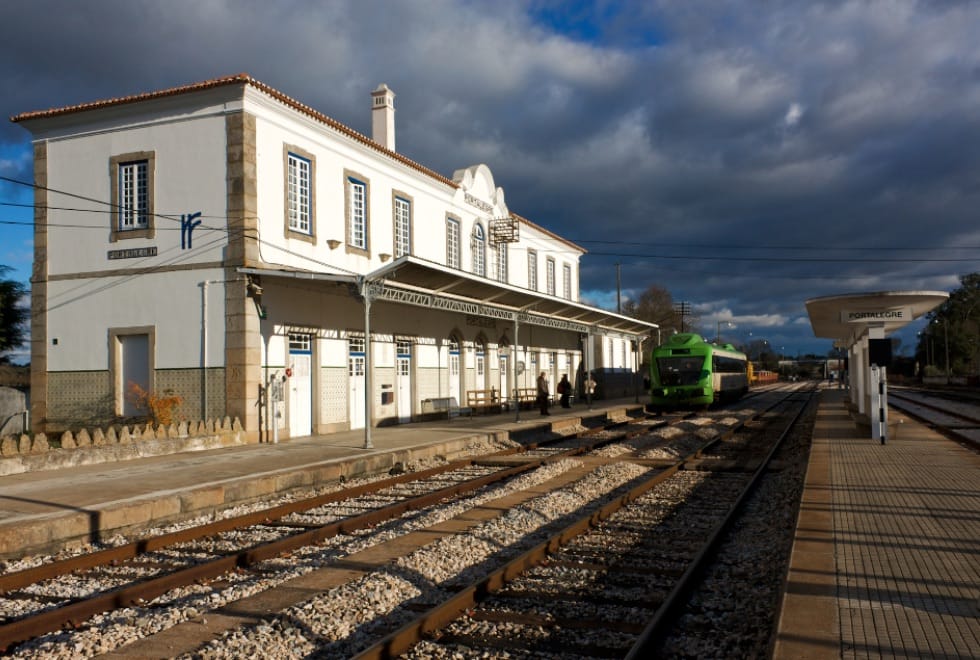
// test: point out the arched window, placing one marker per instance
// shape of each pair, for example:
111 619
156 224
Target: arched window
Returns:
478 244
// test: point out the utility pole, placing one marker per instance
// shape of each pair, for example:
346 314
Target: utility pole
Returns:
619 295
682 308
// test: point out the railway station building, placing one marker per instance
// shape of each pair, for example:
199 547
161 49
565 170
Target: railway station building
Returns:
226 244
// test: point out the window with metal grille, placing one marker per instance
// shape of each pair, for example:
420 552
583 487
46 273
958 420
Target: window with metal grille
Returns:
551 277
566 281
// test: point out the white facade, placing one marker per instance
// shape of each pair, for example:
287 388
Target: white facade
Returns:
307 232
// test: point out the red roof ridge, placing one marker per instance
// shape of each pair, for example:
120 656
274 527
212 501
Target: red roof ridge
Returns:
238 78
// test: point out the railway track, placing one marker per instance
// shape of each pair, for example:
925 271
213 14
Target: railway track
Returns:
956 418
585 590
207 580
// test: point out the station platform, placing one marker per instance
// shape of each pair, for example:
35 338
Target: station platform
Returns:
886 557
44 511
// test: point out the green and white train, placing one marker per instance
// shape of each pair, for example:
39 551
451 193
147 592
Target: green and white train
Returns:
688 371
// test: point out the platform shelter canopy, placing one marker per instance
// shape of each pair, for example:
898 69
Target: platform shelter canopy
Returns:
845 318
411 280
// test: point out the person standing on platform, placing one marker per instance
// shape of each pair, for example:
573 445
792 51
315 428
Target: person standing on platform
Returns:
565 391
589 388
543 393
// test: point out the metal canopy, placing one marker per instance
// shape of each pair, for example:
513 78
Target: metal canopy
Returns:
891 309
413 281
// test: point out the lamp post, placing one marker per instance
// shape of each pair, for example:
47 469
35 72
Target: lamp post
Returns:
945 345
728 324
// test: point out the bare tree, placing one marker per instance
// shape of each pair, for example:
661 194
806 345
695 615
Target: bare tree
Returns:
656 305
13 315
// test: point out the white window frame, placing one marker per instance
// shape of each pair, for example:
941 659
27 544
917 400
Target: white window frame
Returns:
357 213
502 264
299 193
132 195
403 226
452 243
566 280
478 248
550 270
532 270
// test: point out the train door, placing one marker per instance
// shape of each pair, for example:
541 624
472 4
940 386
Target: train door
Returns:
300 385
356 381
403 379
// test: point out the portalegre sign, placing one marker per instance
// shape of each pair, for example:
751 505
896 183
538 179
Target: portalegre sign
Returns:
902 314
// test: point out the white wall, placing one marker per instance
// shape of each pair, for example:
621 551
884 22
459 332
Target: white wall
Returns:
432 201
189 177
82 311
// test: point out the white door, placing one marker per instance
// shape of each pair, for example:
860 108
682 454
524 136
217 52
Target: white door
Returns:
481 370
300 383
454 370
403 380
356 383
504 376
134 354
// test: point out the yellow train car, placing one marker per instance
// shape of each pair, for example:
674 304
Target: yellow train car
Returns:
761 376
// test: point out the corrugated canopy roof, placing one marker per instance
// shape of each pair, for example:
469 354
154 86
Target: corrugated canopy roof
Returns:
411 274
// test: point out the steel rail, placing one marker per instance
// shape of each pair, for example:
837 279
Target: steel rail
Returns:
127 551
949 431
425 625
649 640
31 626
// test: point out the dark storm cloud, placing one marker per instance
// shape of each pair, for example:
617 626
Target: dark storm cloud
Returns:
662 129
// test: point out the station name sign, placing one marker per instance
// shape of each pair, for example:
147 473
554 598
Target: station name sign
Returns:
132 253
478 203
871 316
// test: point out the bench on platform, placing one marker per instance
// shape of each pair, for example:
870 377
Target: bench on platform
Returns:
486 401
447 405
527 397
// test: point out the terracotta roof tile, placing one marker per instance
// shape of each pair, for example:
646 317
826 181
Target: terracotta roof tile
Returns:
246 79
237 79
549 233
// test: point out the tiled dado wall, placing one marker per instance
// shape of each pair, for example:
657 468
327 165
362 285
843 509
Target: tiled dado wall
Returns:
85 398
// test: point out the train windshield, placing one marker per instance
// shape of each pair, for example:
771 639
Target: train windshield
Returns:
680 370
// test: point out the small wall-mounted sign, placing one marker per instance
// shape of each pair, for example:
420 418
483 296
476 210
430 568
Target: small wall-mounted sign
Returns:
481 321
132 253
188 222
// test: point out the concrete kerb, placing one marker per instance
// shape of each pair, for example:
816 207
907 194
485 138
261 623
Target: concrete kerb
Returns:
75 526
58 530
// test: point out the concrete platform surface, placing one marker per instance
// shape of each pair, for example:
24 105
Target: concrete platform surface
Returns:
886 559
45 510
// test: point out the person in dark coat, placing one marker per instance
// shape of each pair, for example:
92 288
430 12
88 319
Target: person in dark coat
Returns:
565 391
543 393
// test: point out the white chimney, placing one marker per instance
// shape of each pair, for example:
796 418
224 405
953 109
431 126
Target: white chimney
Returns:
383 116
